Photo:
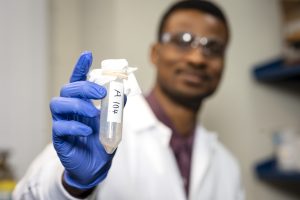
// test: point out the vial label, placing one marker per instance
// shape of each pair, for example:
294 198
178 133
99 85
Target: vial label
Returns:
115 102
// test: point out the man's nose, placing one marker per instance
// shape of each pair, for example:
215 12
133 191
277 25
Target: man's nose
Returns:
196 56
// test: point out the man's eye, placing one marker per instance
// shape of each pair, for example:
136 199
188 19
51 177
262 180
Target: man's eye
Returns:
179 41
214 47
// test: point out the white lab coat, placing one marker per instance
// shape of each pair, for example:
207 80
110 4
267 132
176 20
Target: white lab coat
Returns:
144 167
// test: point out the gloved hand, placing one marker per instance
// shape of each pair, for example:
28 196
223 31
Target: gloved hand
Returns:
76 129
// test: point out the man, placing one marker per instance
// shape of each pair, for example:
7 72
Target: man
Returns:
163 154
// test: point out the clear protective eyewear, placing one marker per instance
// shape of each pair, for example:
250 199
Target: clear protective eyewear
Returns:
185 42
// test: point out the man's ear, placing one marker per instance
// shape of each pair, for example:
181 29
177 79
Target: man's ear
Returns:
155 53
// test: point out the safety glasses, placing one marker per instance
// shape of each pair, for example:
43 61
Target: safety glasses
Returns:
185 42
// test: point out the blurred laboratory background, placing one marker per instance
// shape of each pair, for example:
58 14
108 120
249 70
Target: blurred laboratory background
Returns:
256 111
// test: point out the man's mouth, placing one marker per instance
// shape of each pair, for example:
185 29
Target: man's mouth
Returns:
193 77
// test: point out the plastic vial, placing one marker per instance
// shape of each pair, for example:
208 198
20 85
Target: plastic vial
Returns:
118 78
111 115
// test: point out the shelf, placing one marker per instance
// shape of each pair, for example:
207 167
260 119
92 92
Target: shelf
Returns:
276 70
268 170
276 73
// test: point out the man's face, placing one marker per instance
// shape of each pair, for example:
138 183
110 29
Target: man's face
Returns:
186 73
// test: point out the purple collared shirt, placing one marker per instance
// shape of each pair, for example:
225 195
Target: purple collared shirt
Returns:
181 145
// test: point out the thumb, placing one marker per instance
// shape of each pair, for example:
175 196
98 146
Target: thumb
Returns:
82 67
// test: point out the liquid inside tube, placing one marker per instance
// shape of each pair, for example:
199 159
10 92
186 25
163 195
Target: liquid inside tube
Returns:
111 116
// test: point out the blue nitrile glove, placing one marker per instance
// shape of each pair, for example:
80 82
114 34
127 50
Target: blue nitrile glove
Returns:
76 129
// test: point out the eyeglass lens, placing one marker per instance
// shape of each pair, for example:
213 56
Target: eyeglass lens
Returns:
187 41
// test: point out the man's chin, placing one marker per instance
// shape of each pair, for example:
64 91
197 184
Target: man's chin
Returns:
188 99
193 95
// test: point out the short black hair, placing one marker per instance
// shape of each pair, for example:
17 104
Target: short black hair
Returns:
200 5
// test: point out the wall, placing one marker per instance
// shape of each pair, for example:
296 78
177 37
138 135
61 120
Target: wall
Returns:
243 112
24 77
106 29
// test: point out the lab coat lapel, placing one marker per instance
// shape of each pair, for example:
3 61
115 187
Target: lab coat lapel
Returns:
201 159
164 161
156 135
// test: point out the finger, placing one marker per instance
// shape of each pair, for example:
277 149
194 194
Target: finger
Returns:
82 67
83 89
70 128
62 106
